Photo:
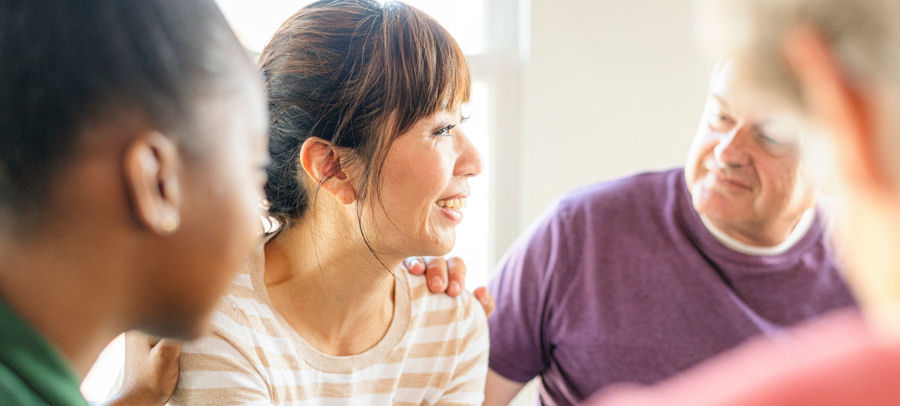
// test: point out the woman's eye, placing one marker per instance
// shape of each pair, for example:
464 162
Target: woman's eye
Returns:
445 131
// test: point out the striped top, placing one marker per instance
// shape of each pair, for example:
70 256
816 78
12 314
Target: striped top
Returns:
434 352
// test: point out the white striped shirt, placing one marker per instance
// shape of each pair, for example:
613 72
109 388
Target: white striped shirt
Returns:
435 352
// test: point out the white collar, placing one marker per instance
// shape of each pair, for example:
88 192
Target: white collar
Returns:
799 231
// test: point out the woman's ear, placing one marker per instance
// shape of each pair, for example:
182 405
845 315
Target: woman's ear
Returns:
151 165
322 163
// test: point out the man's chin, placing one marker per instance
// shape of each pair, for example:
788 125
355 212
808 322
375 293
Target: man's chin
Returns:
717 208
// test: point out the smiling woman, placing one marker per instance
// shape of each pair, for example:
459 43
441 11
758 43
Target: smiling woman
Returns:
466 20
369 166
256 22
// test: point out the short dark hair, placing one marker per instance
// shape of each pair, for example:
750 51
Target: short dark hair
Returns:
65 62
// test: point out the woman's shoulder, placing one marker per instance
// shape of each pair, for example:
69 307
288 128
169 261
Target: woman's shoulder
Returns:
462 313
242 316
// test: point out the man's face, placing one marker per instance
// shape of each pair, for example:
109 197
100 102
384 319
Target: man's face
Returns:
744 169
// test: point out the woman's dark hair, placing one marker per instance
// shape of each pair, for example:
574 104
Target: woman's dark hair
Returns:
66 63
357 74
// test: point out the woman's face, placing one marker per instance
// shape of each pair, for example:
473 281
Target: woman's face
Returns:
424 187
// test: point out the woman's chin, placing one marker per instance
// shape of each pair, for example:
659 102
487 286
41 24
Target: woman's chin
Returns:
440 245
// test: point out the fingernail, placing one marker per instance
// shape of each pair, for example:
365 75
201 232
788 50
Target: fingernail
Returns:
454 286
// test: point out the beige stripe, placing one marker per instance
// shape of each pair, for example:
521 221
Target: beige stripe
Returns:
242 292
212 362
418 292
468 365
333 390
443 357
217 396
416 353
440 349
438 318
421 381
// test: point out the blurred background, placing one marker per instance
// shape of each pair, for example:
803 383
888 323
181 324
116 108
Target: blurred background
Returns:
566 93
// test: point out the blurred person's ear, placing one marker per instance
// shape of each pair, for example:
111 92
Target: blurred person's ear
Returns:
322 163
842 108
151 178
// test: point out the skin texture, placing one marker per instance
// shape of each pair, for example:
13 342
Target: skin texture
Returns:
125 220
207 249
331 269
745 170
438 270
151 370
425 164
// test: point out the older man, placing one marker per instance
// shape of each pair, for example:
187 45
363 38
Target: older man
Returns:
836 63
637 279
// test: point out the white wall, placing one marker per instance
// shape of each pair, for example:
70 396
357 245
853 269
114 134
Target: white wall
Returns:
609 87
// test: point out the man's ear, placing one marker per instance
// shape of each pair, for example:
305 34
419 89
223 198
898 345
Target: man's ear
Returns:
323 165
151 180
836 102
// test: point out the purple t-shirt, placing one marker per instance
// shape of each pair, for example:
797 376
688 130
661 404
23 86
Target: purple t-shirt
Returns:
621 282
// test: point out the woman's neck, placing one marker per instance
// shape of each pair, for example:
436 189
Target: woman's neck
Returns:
330 287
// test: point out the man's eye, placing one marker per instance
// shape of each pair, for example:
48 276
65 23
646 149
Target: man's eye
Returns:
720 122
762 136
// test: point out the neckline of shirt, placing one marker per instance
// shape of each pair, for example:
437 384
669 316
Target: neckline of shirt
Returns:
800 230
350 363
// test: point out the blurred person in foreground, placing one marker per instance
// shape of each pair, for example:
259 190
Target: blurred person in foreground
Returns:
132 154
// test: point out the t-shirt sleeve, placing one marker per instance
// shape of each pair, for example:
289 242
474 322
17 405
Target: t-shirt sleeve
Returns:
217 370
519 345
466 385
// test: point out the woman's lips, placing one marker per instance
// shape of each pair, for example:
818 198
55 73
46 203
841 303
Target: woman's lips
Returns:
452 207
453 215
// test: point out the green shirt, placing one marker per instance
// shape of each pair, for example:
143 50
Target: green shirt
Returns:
31 371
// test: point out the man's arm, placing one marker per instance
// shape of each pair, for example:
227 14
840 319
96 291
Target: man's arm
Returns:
499 391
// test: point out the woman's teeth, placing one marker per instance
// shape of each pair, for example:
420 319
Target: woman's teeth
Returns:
452 204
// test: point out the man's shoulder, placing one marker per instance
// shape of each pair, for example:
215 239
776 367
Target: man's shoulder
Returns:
633 192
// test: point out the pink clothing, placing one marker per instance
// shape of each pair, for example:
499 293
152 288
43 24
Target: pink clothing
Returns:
833 361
